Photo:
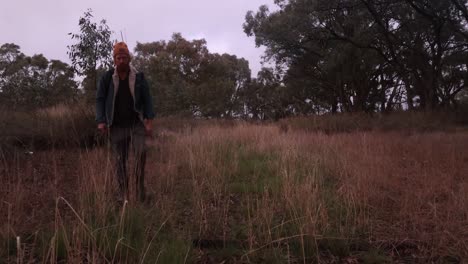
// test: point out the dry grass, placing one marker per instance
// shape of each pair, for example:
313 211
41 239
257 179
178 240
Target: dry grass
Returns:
412 122
413 186
56 127
245 193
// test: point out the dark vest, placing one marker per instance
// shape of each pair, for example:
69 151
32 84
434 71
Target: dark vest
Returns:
124 109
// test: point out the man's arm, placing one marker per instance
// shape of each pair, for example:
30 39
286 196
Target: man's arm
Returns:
148 108
101 95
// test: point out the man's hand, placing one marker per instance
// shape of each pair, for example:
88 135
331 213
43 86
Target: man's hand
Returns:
102 127
148 127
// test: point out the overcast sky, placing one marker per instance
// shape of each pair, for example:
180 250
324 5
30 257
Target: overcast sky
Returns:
42 26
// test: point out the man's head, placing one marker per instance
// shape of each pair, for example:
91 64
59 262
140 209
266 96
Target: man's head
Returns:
121 56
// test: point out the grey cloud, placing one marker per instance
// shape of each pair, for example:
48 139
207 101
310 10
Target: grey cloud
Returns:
42 26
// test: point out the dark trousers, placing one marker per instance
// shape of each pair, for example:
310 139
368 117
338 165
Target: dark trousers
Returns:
121 140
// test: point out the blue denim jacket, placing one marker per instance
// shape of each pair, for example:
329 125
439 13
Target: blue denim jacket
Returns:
107 90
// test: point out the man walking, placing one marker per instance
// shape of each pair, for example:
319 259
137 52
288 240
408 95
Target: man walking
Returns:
124 108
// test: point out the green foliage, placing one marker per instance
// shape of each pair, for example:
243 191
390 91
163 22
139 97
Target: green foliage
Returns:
32 82
187 79
347 56
220 80
93 49
264 97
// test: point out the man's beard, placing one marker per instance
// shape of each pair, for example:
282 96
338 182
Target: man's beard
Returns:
123 68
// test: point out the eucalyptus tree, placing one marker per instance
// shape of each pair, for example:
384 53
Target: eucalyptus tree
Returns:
92 52
33 81
187 79
366 55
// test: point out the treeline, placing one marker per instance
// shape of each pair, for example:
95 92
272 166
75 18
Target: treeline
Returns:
327 56
365 55
187 79
33 81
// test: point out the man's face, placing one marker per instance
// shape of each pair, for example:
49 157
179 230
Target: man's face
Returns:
122 61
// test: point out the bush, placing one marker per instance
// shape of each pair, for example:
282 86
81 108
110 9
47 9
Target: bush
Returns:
61 126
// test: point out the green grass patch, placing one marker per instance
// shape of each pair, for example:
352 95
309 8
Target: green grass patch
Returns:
255 173
375 256
169 249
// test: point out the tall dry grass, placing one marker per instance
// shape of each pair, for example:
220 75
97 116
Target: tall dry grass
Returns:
408 121
414 186
245 193
56 127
